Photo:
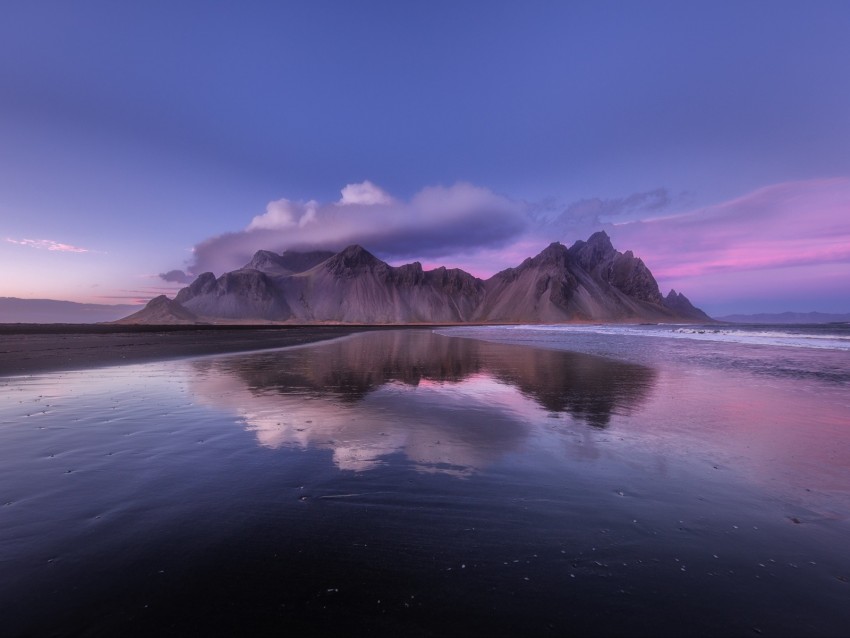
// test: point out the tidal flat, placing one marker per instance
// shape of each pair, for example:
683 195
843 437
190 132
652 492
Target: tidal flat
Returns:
405 482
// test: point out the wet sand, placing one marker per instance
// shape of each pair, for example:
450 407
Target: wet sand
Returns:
407 483
35 348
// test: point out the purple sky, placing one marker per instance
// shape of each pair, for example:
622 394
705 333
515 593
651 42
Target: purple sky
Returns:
143 139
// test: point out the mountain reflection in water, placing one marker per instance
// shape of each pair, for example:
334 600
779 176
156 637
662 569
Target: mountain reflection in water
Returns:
450 405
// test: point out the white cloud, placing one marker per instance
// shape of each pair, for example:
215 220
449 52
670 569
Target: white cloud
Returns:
365 193
284 213
437 221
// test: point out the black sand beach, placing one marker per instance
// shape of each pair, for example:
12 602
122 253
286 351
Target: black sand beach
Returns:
32 348
404 482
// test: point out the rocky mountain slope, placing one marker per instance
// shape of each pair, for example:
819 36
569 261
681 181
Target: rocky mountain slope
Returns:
161 310
590 281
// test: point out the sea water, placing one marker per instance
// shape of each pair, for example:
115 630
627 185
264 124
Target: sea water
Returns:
819 351
642 480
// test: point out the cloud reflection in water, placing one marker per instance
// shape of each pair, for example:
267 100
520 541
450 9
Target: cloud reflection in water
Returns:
448 404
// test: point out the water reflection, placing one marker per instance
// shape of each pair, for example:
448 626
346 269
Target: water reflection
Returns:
448 404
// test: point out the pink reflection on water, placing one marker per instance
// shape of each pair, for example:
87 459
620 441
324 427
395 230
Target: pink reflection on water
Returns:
460 406
790 436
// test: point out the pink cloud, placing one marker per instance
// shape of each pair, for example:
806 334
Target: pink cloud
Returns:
781 238
48 244
789 224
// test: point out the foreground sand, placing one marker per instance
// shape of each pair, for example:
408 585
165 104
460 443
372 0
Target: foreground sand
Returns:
402 482
31 348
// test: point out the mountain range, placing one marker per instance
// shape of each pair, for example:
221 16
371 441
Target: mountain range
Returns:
588 282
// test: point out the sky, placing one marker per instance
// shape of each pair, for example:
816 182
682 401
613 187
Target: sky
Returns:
142 143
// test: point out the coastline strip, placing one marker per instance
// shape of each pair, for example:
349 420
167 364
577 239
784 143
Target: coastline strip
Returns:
33 348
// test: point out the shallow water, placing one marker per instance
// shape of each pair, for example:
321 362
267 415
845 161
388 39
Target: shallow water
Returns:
813 351
416 483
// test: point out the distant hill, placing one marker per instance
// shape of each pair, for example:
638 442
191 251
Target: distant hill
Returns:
161 311
789 317
15 310
588 282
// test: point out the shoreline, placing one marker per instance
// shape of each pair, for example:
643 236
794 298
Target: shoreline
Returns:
31 348
37 348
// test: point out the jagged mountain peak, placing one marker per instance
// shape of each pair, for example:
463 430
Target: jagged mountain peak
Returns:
265 260
595 251
682 306
598 240
590 281
554 251
353 257
555 254
599 237
355 250
264 254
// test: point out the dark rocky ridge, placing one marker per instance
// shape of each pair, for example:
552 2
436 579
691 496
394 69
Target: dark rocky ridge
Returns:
590 281
678 303
161 310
